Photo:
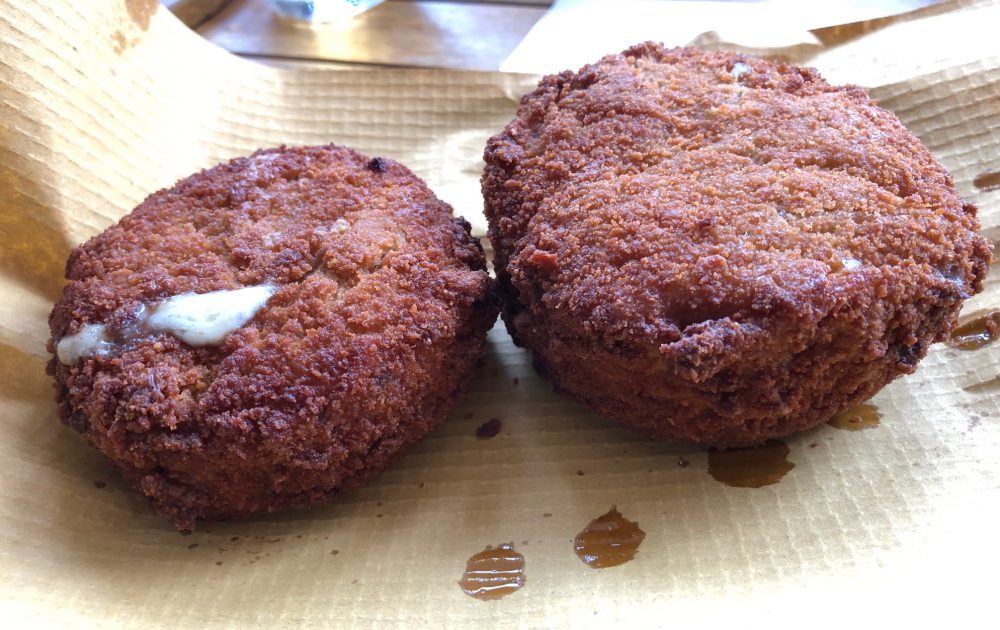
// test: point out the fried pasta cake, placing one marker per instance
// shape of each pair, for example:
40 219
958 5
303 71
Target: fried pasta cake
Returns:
718 249
270 332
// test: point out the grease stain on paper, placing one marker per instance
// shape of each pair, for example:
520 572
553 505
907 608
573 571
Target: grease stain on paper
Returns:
754 467
140 13
608 541
856 418
976 333
493 573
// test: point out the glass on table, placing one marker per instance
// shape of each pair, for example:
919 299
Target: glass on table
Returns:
320 10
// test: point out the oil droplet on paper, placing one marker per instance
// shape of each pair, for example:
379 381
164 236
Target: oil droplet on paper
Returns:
750 467
493 573
856 418
990 180
976 333
609 540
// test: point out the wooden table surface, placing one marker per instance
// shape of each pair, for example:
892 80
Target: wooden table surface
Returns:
426 33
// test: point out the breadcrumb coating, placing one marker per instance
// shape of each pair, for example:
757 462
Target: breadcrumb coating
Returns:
382 306
718 249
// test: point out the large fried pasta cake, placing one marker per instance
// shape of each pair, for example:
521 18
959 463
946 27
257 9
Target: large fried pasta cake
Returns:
270 332
719 249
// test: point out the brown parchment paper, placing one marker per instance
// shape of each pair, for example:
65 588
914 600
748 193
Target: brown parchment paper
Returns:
103 103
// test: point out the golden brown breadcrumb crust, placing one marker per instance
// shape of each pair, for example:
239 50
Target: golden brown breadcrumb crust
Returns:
382 308
719 249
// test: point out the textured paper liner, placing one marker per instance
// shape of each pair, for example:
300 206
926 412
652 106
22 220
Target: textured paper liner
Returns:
101 105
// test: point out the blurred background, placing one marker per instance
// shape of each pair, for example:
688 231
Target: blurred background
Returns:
533 36
467 34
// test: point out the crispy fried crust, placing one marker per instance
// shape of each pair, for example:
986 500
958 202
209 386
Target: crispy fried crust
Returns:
383 307
718 249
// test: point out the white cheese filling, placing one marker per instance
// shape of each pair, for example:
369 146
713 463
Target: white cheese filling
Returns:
197 319
90 341
204 319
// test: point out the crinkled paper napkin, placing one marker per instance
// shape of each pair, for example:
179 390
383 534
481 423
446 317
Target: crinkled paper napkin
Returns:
103 103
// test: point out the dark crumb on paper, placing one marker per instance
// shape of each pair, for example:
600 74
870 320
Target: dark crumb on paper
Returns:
218 563
546 514
378 516
524 542
988 181
354 581
420 485
579 472
377 164
334 552
192 545
539 367
234 538
489 429
814 445
298 535
100 485
378 503
516 381
683 463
